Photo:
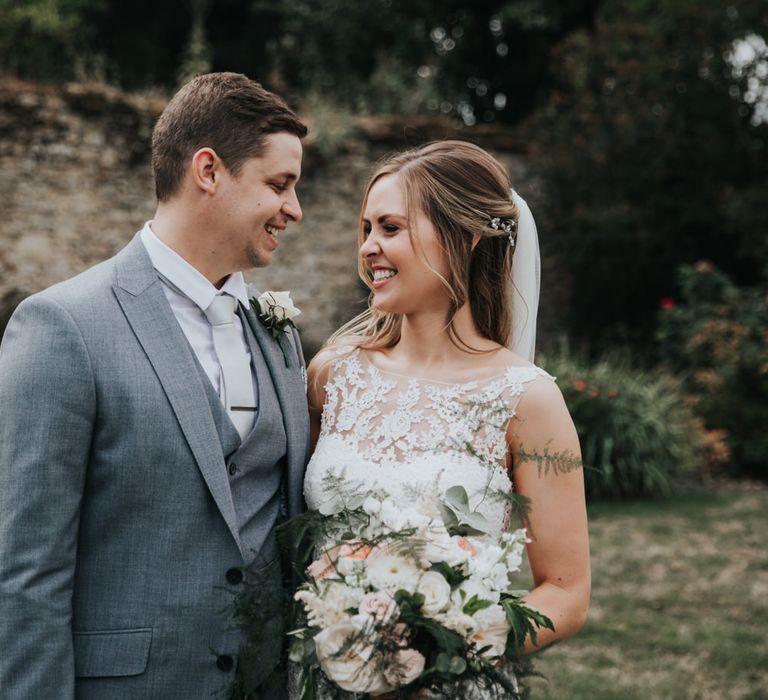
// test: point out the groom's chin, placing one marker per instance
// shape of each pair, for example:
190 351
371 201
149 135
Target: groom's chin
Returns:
259 258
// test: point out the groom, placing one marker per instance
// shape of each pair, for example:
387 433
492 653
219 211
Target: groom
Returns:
150 432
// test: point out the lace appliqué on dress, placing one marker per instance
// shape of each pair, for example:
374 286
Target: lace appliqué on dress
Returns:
411 436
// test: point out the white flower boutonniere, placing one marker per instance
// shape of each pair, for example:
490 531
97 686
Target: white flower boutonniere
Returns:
276 311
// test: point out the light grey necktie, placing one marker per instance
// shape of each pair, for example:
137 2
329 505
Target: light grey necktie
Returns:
235 381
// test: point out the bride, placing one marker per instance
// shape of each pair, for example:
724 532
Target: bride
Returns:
421 392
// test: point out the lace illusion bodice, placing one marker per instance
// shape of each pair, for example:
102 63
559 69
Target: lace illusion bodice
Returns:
411 436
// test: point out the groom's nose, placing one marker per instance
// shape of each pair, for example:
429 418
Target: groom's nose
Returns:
292 208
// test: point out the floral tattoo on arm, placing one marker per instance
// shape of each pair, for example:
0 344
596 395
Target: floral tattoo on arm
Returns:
547 461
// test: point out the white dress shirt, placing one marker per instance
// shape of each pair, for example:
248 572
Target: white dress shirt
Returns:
196 295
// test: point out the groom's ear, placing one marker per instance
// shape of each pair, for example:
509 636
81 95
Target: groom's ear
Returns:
206 170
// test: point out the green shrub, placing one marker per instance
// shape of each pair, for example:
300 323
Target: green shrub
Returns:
716 335
638 436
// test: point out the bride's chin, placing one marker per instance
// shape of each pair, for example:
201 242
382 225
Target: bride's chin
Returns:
386 306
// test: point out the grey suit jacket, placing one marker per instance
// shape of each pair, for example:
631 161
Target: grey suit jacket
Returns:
117 527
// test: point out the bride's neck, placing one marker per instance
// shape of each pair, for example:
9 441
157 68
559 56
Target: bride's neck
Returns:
425 340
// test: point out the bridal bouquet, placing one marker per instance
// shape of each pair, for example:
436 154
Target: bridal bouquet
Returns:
410 599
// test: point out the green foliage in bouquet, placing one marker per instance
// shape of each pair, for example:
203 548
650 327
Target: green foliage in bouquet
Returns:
639 438
716 337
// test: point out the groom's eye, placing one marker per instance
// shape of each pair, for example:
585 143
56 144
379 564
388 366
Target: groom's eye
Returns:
279 186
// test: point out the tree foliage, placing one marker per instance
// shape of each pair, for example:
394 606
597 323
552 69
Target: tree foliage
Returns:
479 60
649 158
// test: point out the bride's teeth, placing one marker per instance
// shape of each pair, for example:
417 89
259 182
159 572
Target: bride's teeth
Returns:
272 230
383 274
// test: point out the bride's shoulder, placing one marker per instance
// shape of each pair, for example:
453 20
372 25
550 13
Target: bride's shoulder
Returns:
516 365
322 363
539 395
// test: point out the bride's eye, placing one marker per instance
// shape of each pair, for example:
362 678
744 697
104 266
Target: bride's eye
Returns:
366 230
390 228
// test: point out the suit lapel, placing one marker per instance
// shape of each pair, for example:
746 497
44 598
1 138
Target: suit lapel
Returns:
139 292
291 395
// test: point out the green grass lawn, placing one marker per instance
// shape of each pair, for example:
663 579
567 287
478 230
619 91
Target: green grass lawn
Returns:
679 604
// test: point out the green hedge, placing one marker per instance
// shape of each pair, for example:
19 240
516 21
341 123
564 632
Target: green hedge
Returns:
639 438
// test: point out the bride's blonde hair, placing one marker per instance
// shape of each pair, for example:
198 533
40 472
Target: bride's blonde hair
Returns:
460 188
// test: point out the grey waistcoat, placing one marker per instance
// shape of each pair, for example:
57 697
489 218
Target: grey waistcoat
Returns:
260 457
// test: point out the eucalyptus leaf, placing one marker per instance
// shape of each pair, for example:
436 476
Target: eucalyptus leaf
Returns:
296 654
476 521
450 520
354 502
332 506
457 666
443 663
457 498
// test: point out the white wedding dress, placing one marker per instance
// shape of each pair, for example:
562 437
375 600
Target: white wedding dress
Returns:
410 436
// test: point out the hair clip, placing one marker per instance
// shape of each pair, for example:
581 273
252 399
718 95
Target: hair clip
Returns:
507 225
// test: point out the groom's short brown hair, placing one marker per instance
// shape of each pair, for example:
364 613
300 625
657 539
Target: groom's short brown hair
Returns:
227 112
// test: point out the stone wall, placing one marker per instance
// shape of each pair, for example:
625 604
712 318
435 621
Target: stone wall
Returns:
75 185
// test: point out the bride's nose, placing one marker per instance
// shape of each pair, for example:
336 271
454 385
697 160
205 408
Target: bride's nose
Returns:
370 246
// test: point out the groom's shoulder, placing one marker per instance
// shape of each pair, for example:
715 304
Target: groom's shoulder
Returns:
77 295
86 289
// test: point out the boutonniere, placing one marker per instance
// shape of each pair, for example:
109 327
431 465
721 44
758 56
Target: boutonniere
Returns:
276 311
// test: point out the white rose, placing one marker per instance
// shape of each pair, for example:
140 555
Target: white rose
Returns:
407 665
492 630
278 304
436 591
352 669
379 605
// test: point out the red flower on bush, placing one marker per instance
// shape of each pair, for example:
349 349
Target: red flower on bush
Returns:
667 303
613 393
579 385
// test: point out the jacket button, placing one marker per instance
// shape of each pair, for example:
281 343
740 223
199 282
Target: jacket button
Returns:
232 469
225 663
234 576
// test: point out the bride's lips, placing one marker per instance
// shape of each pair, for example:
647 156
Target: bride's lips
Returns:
379 283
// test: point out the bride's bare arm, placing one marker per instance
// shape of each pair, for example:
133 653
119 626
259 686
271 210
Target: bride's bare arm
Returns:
547 469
